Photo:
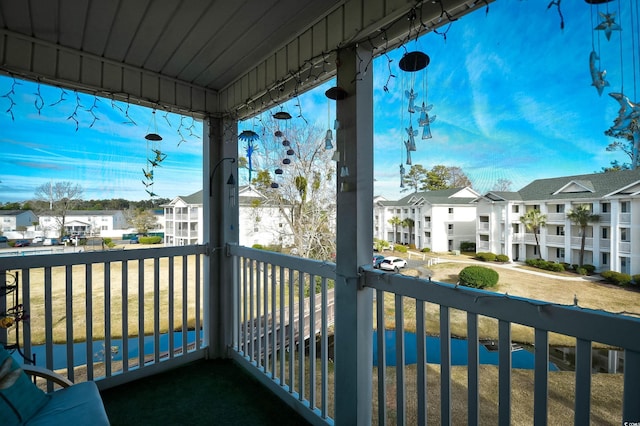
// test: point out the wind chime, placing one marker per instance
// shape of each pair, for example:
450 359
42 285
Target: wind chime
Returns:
414 67
154 155
627 124
285 117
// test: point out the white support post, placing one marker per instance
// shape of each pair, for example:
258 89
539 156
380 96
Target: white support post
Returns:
221 215
354 306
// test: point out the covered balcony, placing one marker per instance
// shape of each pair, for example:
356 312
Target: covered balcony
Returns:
322 337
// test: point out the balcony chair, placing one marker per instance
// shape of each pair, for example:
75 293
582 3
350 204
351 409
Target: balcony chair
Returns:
23 403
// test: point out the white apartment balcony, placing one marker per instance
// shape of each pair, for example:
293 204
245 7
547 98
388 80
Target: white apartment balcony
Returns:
576 242
555 239
556 217
273 314
625 218
483 227
605 217
624 246
483 246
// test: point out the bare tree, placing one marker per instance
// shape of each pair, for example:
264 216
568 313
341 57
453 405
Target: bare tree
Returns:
306 187
141 219
61 197
502 185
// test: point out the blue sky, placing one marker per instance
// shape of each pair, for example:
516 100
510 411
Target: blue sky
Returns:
511 93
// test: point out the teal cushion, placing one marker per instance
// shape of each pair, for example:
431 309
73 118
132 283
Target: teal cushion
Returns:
19 397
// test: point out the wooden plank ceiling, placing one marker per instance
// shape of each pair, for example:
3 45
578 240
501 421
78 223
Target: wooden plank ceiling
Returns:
203 56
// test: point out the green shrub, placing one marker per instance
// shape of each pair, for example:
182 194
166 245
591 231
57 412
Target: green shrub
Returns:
426 250
108 242
478 277
581 271
616 278
468 246
546 265
486 256
400 249
150 240
590 268
258 246
502 258
575 266
636 279
412 246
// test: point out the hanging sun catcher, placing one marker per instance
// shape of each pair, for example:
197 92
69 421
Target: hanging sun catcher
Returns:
154 155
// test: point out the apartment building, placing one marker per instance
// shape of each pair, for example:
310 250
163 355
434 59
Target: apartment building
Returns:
441 219
10 220
88 222
612 243
260 222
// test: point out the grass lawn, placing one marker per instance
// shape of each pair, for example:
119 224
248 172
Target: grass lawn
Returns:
525 282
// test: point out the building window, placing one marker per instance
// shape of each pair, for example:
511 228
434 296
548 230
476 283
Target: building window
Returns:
624 234
515 209
398 211
450 210
605 207
560 253
427 218
625 207
605 259
625 265
413 211
560 230
427 234
605 233
535 250
450 227
560 209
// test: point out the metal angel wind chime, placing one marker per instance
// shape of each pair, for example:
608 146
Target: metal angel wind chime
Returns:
414 67
627 124
154 155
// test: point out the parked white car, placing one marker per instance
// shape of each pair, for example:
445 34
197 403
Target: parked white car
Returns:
37 239
392 263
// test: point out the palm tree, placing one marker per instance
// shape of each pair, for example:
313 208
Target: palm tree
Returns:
582 217
409 223
395 222
533 221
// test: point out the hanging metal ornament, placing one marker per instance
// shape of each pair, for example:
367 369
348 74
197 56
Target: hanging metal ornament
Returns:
154 155
286 161
248 136
279 171
274 185
290 152
414 61
336 93
286 143
282 115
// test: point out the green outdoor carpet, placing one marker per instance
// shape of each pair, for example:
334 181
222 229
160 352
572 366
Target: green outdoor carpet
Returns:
200 393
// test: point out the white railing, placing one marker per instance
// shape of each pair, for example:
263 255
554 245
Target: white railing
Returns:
397 294
78 297
278 300
624 247
555 239
625 217
271 307
577 242
605 217
556 217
